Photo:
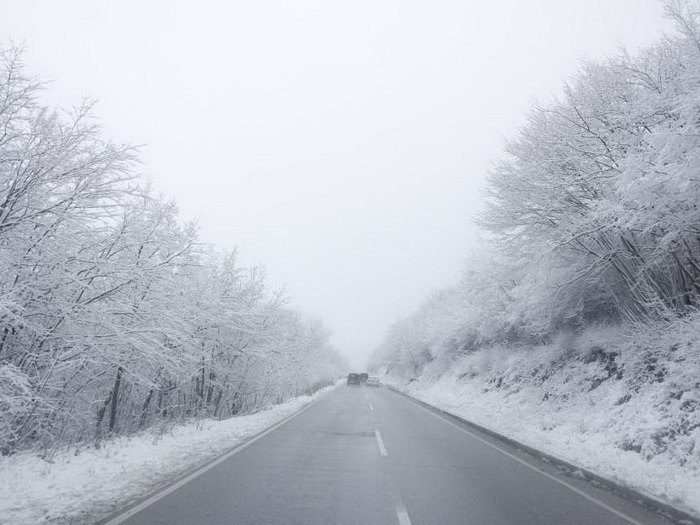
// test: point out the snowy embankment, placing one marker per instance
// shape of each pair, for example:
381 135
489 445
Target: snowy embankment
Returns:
624 406
82 486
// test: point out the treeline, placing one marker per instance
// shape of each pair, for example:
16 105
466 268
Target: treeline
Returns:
592 215
113 317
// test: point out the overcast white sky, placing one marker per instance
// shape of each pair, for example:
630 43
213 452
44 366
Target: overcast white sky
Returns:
342 144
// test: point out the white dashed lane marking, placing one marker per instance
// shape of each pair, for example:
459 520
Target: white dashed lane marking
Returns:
402 514
371 406
380 442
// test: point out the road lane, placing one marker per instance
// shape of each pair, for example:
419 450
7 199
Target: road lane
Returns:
369 456
320 467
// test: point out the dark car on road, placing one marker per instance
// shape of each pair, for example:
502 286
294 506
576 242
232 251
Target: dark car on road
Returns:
363 378
353 379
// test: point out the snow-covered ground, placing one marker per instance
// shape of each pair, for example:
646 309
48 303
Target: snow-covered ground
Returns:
626 407
81 486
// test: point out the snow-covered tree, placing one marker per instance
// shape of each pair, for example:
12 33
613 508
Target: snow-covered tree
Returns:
113 316
592 212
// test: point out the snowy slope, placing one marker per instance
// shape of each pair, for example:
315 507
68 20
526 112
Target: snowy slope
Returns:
624 406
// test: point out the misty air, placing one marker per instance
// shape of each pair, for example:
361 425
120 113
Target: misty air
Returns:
370 262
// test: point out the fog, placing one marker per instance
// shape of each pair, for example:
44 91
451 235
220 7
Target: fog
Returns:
342 145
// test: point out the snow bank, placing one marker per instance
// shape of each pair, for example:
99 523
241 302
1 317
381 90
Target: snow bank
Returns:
626 406
82 486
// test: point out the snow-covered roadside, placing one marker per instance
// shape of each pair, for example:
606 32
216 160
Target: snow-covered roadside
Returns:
90 484
601 403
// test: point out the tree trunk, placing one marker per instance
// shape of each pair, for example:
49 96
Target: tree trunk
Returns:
100 417
115 399
144 409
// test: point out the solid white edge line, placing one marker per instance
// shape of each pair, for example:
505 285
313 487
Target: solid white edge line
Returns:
532 467
380 442
172 488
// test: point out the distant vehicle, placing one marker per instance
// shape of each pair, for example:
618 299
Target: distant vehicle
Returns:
354 379
373 381
363 378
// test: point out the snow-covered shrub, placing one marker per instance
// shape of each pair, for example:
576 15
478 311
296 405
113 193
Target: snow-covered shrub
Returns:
15 403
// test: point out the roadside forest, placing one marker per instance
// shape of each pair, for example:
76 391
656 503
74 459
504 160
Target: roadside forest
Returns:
580 310
114 316
592 214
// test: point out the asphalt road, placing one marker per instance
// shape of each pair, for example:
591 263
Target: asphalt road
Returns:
370 456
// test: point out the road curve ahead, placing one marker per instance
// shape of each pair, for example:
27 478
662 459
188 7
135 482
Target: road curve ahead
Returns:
370 456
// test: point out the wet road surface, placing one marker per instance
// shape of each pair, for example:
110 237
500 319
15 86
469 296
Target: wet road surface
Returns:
370 456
